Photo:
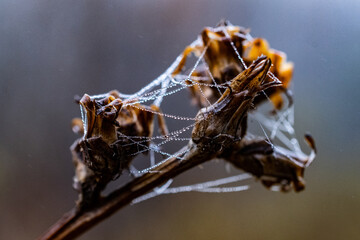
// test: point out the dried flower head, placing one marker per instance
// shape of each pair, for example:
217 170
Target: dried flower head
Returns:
237 74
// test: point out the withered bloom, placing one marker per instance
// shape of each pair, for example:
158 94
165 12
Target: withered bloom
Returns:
228 116
228 50
274 166
106 149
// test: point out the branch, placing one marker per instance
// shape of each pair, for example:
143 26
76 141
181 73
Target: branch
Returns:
219 132
74 223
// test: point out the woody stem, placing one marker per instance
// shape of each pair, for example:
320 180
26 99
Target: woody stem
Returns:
75 222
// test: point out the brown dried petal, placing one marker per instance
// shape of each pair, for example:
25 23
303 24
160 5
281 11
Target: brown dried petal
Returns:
99 117
282 69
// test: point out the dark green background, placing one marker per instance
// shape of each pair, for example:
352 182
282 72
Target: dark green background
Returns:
52 50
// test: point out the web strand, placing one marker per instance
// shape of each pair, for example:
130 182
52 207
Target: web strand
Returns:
209 187
279 126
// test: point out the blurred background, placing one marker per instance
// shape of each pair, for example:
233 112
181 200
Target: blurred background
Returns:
53 50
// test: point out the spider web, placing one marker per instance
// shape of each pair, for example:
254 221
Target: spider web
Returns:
276 127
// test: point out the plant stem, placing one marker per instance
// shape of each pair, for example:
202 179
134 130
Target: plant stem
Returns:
75 222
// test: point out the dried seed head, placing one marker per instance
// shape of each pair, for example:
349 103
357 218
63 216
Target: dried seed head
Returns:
228 115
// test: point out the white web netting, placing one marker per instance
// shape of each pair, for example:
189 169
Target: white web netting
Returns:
274 127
